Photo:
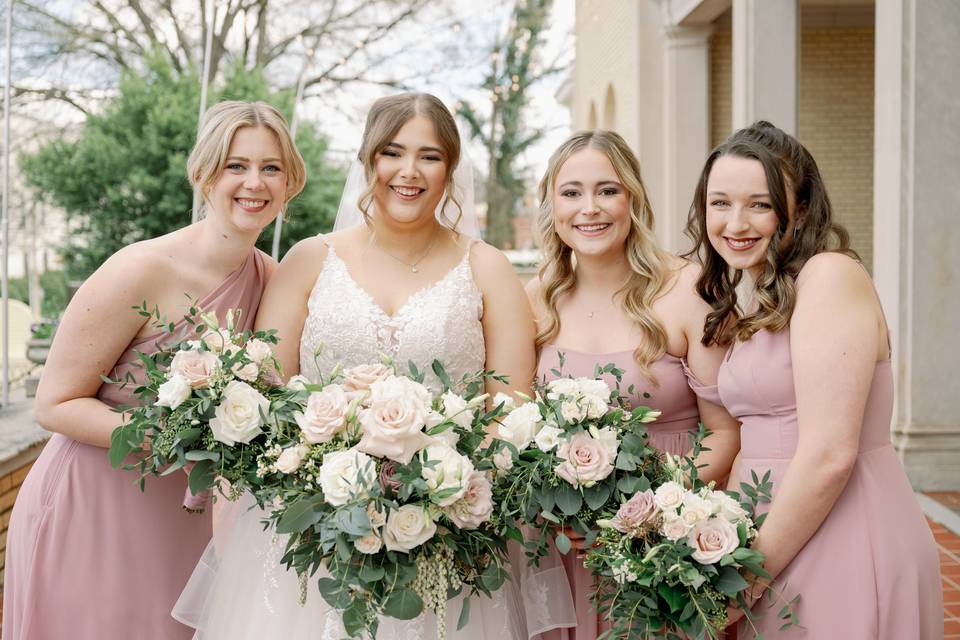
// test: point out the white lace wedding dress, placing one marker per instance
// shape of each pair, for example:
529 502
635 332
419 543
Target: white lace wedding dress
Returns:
240 591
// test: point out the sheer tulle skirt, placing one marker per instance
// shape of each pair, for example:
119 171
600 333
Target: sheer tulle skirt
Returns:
240 590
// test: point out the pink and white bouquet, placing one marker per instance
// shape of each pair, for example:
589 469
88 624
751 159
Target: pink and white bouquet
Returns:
566 455
205 404
385 486
668 562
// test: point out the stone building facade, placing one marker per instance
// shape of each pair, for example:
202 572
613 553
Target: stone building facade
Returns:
866 85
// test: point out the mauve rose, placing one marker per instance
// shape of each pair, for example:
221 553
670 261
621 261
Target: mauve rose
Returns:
636 512
388 477
325 414
361 377
476 505
713 539
586 461
195 367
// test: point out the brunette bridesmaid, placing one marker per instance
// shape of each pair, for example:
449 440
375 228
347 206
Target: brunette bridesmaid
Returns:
809 375
90 557
607 293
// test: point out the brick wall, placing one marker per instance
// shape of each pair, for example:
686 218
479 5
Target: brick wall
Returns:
835 120
12 473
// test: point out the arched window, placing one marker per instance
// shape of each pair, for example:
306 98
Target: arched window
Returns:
592 118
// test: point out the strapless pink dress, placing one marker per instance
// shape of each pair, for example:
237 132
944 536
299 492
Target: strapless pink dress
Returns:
675 394
871 570
91 557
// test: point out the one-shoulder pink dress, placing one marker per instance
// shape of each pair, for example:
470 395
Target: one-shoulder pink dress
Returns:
871 570
675 395
91 557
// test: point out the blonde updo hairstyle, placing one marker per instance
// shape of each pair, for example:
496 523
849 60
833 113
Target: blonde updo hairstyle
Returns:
219 124
650 265
385 118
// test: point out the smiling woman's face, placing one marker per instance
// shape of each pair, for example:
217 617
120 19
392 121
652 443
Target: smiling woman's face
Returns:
740 216
410 173
591 208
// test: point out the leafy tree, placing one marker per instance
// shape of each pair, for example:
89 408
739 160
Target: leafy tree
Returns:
124 180
515 67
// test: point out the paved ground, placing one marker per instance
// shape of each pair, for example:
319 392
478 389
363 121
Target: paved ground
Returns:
949 543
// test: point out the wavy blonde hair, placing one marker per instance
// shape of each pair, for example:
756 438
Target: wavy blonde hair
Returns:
217 128
802 233
651 273
385 118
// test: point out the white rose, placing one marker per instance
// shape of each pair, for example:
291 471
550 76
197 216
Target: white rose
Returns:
726 507
325 414
369 544
713 539
596 408
346 475
608 437
695 509
674 528
548 438
400 387
291 458
571 411
455 408
520 425
506 400
392 427
562 387
258 350
445 470
237 417
669 496
503 460
591 388
298 383
408 527
173 392
218 341
248 372
377 518
361 377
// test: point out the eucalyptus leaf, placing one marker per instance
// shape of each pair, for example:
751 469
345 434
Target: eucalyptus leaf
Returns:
403 605
201 476
200 454
302 514
563 543
464 614
730 582
568 499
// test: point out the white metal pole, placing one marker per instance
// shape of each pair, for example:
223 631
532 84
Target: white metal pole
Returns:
5 212
294 121
211 6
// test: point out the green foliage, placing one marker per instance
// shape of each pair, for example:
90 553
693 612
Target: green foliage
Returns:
514 71
54 285
124 180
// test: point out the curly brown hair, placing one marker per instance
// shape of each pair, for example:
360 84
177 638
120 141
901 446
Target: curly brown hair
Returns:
801 234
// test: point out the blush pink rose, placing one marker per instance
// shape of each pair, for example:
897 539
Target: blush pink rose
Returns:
476 505
393 428
713 539
325 414
196 367
636 512
362 377
586 460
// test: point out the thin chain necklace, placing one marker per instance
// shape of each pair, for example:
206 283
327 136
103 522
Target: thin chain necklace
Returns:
412 265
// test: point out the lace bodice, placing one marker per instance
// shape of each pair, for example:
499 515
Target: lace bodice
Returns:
346 326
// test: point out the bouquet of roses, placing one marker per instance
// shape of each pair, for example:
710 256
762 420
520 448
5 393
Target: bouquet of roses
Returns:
205 403
385 486
566 455
668 562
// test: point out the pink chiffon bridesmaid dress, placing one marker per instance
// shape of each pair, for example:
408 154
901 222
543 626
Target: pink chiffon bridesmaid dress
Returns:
675 395
91 557
871 571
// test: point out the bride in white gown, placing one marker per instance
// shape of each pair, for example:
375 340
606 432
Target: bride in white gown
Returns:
406 281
